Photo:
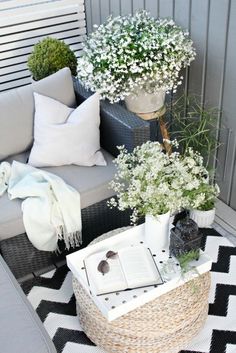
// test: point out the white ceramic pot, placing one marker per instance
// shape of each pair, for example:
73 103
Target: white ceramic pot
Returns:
157 231
143 102
204 219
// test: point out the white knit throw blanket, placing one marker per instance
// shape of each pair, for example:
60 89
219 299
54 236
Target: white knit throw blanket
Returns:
51 208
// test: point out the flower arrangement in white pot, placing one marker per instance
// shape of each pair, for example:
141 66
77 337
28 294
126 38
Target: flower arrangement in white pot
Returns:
154 184
200 194
202 203
132 56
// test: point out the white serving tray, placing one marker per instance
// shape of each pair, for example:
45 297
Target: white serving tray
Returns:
117 304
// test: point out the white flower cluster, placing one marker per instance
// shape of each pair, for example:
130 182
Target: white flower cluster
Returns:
128 52
152 182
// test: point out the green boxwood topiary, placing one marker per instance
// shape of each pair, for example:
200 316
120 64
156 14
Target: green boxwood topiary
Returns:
49 56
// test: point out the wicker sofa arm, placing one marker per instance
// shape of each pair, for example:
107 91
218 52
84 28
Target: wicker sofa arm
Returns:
118 125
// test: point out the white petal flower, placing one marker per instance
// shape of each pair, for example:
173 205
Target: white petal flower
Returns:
149 181
130 51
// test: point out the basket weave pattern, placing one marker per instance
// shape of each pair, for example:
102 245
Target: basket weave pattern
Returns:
164 325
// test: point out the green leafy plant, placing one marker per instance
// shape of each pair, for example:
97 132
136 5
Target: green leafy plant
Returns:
184 262
203 197
186 258
49 56
194 126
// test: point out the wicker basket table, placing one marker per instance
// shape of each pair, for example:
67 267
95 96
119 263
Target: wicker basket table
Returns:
164 325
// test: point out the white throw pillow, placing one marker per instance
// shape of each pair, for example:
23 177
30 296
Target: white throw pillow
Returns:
64 135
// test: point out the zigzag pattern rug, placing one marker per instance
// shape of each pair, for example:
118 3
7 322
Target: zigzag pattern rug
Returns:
52 297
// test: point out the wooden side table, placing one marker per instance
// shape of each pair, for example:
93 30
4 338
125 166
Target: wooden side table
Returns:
164 325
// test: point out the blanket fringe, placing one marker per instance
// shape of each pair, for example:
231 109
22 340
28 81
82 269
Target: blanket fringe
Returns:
71 240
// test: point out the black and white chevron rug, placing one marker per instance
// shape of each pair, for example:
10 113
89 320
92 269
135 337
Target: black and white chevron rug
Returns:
52 297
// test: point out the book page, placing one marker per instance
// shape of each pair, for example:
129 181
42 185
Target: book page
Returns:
113 280
139 267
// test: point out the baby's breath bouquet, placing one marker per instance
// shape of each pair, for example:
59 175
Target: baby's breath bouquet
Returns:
152 182
130 52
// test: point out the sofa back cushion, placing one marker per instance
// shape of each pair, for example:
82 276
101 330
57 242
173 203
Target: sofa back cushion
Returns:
17 110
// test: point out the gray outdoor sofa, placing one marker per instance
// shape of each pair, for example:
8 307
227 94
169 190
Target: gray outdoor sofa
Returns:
21 330
118 127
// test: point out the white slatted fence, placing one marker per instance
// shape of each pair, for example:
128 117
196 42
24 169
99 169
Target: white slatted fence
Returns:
23 23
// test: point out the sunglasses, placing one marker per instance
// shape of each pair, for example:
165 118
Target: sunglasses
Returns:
103 265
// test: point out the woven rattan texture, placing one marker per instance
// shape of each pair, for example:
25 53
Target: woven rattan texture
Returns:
118 125
166 324
23 258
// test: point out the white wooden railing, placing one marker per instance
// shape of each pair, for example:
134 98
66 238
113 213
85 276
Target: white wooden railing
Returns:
23 23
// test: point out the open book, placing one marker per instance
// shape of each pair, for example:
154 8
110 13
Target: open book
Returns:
128 268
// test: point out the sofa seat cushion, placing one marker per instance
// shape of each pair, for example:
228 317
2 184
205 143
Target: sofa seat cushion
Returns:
91 182
21 328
